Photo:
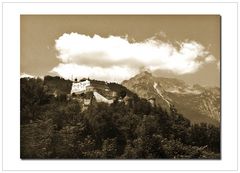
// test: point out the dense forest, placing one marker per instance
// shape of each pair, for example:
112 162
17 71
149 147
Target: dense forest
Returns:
55 127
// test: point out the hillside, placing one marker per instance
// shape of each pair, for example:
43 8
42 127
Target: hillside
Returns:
197 103
53 127
60 85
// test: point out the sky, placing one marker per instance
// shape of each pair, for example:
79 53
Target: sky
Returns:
117 47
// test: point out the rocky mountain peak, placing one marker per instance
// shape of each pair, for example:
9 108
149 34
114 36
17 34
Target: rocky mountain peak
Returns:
197 103
144 75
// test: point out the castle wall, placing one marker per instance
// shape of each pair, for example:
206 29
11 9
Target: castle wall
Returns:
80 87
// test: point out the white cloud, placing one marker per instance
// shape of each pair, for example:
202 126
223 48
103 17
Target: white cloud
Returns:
25 75
114 74
115 58
218 65
210 58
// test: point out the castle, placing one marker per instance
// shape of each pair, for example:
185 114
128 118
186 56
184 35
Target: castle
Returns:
87 92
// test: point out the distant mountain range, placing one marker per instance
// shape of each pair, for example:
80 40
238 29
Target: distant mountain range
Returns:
197 103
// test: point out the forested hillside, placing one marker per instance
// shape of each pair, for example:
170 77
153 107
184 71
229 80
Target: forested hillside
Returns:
53 127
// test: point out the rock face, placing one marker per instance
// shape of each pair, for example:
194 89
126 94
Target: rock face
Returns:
197 103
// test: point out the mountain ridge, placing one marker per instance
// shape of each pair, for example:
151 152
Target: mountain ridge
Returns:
195 102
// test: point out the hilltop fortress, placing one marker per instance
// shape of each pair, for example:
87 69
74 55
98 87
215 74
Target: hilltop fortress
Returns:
87 92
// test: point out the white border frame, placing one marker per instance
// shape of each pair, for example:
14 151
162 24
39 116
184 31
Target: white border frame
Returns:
11 73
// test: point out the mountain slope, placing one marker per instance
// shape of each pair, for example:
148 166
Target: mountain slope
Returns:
197 103
56 128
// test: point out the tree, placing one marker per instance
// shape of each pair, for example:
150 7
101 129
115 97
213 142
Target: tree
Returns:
33 95
109 148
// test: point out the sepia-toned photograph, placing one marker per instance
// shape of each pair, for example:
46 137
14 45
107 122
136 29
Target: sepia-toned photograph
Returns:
120 87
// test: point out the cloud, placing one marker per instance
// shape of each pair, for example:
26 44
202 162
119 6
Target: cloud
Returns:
25 75
218 65
210 59
114 73
115 58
